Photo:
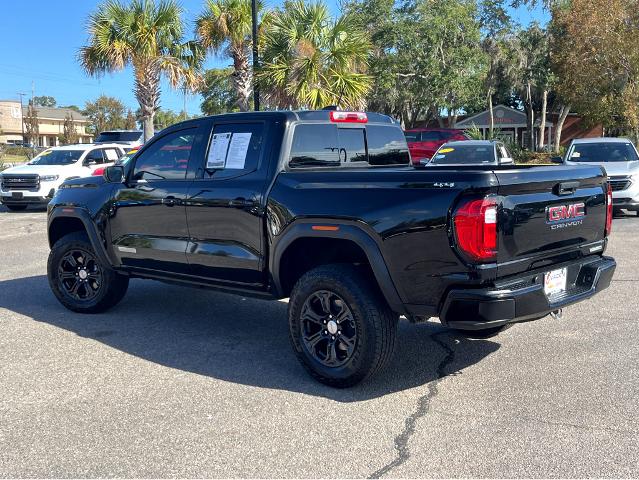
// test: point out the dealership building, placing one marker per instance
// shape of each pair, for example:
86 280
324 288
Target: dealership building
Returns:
50 124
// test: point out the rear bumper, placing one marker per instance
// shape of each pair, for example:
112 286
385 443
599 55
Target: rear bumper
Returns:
523 298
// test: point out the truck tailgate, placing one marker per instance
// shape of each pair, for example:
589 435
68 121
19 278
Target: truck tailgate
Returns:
549 212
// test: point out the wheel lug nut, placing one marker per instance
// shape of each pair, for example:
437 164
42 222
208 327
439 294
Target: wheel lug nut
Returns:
324 322
325 332
333 337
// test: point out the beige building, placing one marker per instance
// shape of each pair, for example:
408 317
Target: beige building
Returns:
50 123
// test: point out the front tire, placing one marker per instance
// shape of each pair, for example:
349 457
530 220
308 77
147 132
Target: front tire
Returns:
79 280
340 328
16 208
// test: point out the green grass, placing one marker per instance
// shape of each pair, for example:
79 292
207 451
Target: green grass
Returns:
8 158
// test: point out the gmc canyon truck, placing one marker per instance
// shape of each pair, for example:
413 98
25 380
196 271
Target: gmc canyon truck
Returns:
325 208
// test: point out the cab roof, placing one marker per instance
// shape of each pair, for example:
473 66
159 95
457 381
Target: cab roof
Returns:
601 140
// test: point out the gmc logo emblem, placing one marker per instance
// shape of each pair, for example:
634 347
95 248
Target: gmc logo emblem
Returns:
563 213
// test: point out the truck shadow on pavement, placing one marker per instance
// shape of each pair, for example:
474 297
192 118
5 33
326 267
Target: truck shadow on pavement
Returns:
236 339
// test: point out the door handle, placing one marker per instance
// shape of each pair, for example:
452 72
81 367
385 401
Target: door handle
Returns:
170 201
240 203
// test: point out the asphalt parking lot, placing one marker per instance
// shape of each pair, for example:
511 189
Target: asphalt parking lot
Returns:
175 382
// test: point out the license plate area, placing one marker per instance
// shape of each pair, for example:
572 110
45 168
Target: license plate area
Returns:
555 282
17 195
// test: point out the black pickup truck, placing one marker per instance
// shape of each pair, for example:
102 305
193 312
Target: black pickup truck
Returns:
323 207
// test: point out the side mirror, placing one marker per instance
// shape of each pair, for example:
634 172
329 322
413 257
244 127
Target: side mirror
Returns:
114 174
556 160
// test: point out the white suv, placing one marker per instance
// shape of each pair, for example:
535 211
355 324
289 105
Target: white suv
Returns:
35 182
620 160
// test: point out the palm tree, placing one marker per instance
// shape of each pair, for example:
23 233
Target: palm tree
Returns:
147 36
310 60
227 24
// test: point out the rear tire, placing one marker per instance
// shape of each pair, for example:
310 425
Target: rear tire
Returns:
340 328
16 208
79 280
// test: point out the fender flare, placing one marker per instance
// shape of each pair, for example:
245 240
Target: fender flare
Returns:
347 231
89 226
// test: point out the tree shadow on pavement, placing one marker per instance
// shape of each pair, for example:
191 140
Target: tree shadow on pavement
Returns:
235 339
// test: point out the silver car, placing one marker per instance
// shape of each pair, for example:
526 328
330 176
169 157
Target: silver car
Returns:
470 152
620 160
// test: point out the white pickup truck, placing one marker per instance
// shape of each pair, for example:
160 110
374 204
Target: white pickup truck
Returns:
35 182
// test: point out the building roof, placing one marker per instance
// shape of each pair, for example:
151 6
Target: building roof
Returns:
503 117
56 113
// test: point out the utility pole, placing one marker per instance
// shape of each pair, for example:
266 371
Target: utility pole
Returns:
184 100
256 90
21 115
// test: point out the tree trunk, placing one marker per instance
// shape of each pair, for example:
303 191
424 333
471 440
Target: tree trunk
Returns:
241 77
452 120
530 116
565 109
542 124
147 92
491 113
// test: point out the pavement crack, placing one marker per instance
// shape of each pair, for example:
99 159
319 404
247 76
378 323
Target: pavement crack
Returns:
423 406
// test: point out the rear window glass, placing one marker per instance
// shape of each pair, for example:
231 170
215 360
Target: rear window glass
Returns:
604 152
471 154
386 146
412 136
352 145
327 145
431 136
119 137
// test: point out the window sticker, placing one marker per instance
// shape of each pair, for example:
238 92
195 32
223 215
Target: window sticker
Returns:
236 157
439 157
46 152
446 150
111 155
217 151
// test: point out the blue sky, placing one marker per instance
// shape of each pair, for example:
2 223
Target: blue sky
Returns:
43 37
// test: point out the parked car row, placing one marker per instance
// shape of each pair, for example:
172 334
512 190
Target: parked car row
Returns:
617 156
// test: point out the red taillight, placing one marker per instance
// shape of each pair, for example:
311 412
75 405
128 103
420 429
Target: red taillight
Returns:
98 171
476 228
348 117
608 210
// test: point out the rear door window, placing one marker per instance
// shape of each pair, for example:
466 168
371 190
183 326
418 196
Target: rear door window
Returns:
234 149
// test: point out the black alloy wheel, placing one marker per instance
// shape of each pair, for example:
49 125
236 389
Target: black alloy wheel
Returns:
329 331
80 275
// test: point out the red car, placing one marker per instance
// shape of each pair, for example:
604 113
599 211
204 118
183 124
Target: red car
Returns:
424 142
